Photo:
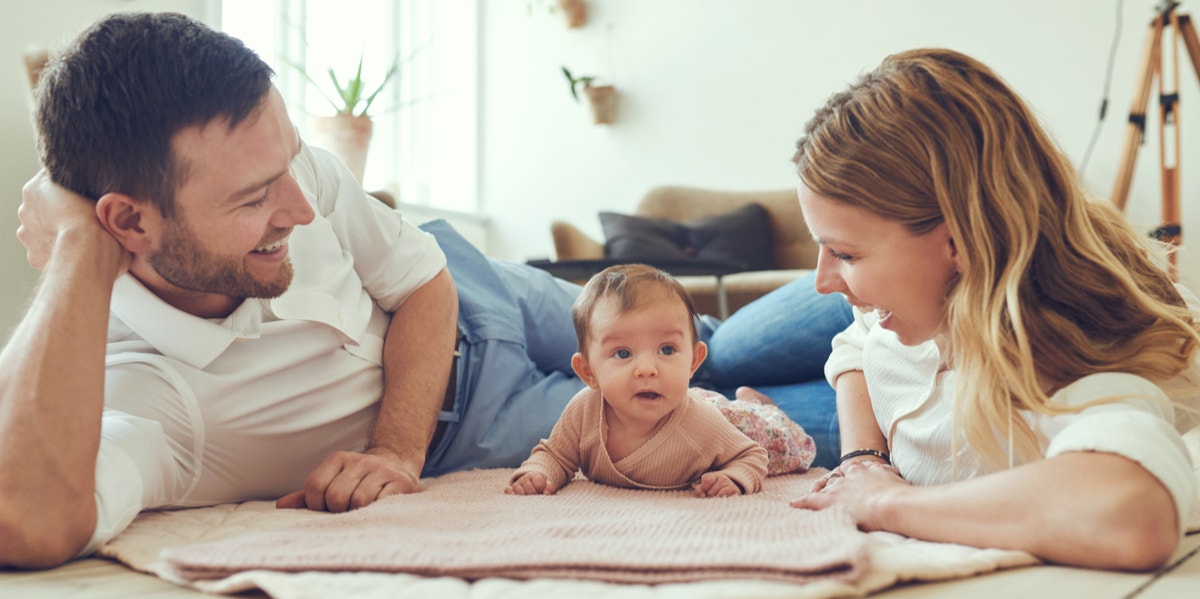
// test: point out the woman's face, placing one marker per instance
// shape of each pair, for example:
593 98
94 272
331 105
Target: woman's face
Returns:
879 265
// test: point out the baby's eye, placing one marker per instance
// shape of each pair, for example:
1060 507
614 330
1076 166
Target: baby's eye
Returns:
667 350
623 354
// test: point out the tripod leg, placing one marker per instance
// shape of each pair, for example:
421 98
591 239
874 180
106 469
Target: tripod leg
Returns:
1136 129
1168 140
1188 31
1171 230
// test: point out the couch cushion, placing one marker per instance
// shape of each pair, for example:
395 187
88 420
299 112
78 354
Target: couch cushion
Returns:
742 235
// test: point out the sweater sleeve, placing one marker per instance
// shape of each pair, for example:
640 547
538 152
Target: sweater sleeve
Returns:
1138 425
558 457
847 346
733 453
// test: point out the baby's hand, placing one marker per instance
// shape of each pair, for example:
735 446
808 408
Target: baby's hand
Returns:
531 483
716 484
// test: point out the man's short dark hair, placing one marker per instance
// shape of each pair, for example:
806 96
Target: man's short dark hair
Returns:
109 104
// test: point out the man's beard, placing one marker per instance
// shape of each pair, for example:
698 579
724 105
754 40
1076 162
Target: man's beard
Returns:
182 263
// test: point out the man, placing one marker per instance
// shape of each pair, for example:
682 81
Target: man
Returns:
225 315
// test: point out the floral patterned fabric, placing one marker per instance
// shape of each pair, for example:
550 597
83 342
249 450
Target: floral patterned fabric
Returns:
789 448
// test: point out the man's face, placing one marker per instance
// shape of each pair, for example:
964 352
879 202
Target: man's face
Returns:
185 262
235 209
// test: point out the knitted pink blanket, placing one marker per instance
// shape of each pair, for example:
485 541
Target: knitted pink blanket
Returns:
463 525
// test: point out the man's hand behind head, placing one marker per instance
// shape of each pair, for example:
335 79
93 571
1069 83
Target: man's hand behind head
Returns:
50 214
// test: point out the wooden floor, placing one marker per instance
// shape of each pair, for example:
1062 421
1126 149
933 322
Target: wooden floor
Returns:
97 578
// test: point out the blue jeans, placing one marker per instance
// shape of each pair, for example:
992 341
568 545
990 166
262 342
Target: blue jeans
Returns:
515 377
778 344
514 373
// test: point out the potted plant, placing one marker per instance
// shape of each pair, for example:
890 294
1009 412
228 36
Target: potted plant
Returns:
348 132
601 98
574 11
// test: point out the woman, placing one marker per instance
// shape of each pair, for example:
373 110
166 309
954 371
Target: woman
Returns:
1017 349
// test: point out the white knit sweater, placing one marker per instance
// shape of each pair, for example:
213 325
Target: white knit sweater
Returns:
913 394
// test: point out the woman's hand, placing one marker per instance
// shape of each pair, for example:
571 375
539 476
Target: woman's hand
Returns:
856 485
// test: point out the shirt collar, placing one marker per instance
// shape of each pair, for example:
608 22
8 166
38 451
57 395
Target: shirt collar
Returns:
177 334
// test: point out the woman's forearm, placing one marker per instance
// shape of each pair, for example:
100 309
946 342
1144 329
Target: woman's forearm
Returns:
856 419
1085 509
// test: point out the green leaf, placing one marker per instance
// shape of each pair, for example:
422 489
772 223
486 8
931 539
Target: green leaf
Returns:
352 97
571 82
387 77
303 71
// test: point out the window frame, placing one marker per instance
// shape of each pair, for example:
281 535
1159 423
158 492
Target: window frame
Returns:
427 134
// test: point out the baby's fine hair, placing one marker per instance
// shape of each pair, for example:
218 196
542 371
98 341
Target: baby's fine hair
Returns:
631 285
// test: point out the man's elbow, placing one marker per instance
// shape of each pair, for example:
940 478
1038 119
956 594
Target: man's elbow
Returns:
42 541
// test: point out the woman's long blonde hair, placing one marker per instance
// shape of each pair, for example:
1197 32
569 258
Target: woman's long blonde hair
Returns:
1053 286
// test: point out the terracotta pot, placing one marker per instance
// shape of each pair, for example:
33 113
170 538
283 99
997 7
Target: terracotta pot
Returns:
347 137
575 12
603 100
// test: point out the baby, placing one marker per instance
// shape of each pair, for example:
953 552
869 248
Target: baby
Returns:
638 425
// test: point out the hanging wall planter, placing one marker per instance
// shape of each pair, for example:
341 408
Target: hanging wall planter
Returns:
575 11
601 98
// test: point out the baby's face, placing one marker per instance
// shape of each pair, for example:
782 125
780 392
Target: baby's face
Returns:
642 360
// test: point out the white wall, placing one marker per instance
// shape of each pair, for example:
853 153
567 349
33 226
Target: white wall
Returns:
714 93
47 23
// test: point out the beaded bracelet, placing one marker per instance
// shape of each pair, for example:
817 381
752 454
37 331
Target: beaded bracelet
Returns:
861 452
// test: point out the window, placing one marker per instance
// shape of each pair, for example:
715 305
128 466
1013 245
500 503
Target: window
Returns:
423 147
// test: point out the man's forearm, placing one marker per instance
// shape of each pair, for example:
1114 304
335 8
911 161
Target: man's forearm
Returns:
51 398
417 353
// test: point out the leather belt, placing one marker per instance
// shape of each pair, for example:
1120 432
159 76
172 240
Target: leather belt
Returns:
448 400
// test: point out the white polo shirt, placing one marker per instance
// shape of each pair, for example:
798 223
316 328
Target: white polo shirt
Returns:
199 412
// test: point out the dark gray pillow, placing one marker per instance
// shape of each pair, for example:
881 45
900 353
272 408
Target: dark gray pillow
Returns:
640 239
742 235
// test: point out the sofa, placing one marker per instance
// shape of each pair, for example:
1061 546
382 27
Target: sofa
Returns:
793 250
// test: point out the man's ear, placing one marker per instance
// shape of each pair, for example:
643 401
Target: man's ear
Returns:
580 365
132 223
